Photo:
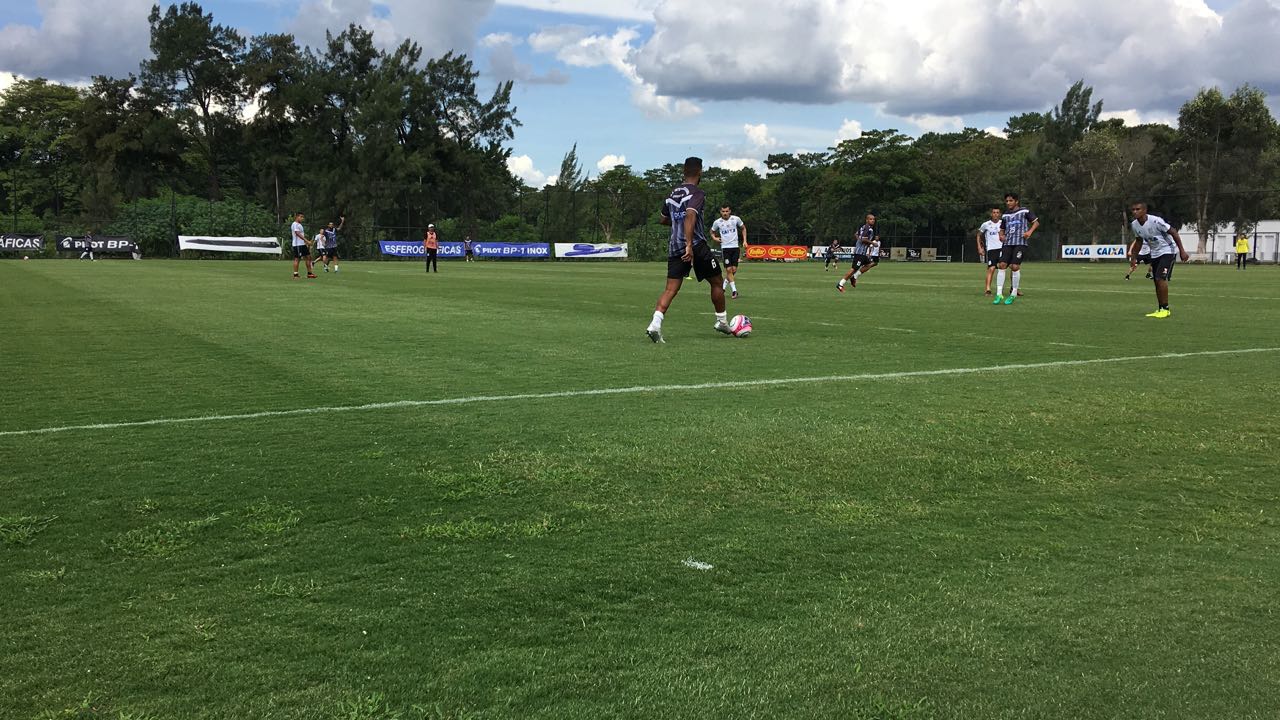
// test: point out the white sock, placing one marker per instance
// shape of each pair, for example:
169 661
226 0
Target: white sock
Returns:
841 282
724 285
1016 275
721 317
733 286
857 274
657 320
999 282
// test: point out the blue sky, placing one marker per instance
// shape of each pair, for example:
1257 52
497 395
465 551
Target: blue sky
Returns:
640 80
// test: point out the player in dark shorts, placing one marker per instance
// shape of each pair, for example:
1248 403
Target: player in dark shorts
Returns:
832 256
468 253
687 250
862 259
329 253
1017 225
1163 245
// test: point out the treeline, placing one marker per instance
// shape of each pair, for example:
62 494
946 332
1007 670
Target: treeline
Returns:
222 134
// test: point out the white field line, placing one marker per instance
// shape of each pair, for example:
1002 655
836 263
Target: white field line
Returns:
894 329
633 390
1037 288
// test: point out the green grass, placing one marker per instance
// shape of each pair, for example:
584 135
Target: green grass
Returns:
1084 541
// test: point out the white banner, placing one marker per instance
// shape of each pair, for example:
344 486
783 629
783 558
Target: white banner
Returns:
264 245
1094 252
591 251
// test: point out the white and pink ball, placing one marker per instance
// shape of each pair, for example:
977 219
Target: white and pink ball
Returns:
740 326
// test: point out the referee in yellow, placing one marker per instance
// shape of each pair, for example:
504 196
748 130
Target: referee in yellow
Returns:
1242 252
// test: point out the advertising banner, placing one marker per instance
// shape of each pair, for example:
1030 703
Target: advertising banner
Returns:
777 252
510 251
21 243
413 248
100 244
263 245
1094 252
594 251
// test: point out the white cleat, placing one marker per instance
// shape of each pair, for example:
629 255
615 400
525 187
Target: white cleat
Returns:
655 335
723 327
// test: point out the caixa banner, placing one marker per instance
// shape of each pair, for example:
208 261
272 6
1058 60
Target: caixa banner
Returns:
1094 252
21 243
777 252
98 243
414 248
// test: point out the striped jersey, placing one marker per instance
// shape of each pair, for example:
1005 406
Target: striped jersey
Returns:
862 238
1155 236
1015 224
688 198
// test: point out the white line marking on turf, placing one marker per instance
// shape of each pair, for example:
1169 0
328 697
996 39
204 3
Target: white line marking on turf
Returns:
695 564
895 329
632 390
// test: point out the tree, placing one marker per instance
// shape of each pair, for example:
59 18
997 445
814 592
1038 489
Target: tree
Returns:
197 68
621 199
1225 148
563 212
1067 123
41 158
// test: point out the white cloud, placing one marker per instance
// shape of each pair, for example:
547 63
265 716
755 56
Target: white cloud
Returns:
849 130
624 9
738 163
996 132
935 60
7 79
1133 117
936 123
438 26
609 162
759 138
575 45
522 167
498 39
77 39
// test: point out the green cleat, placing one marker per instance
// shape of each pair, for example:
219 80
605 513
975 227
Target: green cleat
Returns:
999 299
1009 300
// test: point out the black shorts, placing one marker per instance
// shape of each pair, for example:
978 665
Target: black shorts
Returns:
331 252
1162 267
468 251
1144 259
995 257
861 261
731 256
704 265
301 251
1015 255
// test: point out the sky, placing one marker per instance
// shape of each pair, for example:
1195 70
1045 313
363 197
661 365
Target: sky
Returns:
648 82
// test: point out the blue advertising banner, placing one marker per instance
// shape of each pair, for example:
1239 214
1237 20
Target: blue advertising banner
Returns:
413 248
511 250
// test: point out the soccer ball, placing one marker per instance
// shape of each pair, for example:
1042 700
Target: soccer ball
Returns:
24 257
740 326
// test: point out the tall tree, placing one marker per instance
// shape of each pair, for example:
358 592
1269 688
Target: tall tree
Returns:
196 66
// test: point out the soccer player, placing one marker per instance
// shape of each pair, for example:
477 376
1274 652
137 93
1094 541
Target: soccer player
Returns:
1164 243
725 231
832 258
687 249
1018 224
469 255
862 261
88 247
991 247
329 251
301 246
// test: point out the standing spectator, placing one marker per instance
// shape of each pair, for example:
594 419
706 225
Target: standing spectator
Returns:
466 249
431 243
1242 252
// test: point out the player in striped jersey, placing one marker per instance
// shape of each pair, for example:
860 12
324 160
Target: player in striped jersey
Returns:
1018 225
1164 244
863 261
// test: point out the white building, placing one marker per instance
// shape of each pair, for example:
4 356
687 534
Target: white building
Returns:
1264 242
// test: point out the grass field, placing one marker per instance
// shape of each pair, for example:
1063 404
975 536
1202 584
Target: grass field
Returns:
1063 540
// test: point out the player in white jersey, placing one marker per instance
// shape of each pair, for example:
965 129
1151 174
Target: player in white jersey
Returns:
729 231
301 246
1165 245
991 247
